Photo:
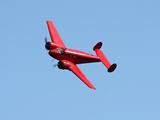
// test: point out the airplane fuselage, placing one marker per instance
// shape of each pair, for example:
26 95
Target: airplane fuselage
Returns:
74 56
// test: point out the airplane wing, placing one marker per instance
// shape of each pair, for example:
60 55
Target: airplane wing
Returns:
54 35
79 74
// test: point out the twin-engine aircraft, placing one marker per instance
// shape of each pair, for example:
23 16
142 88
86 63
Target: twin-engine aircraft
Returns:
68 58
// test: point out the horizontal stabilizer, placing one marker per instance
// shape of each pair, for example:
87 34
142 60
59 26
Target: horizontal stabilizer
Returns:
103 58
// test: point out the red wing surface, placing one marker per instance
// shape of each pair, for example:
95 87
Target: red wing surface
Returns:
79 74
54 35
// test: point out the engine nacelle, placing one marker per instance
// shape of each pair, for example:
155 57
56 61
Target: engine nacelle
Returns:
64 64
51 45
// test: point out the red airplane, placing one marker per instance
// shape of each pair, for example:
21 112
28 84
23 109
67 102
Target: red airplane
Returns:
68 58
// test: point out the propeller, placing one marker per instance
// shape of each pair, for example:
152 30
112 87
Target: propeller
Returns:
59 64
47 45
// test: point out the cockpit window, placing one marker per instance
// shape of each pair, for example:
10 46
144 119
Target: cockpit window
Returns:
61 51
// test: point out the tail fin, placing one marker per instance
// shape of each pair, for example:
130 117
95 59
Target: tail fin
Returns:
103 58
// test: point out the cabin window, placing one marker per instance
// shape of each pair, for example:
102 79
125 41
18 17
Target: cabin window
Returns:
70 55
74 56
78 57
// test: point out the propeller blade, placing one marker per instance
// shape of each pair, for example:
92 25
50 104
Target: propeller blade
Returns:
55 65
52 60
45 39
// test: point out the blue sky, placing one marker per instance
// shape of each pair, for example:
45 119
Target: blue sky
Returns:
31 89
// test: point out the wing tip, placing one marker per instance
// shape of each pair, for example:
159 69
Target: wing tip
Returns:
48 21
93 87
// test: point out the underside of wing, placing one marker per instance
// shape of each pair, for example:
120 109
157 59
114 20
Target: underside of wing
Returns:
54 35
79 74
